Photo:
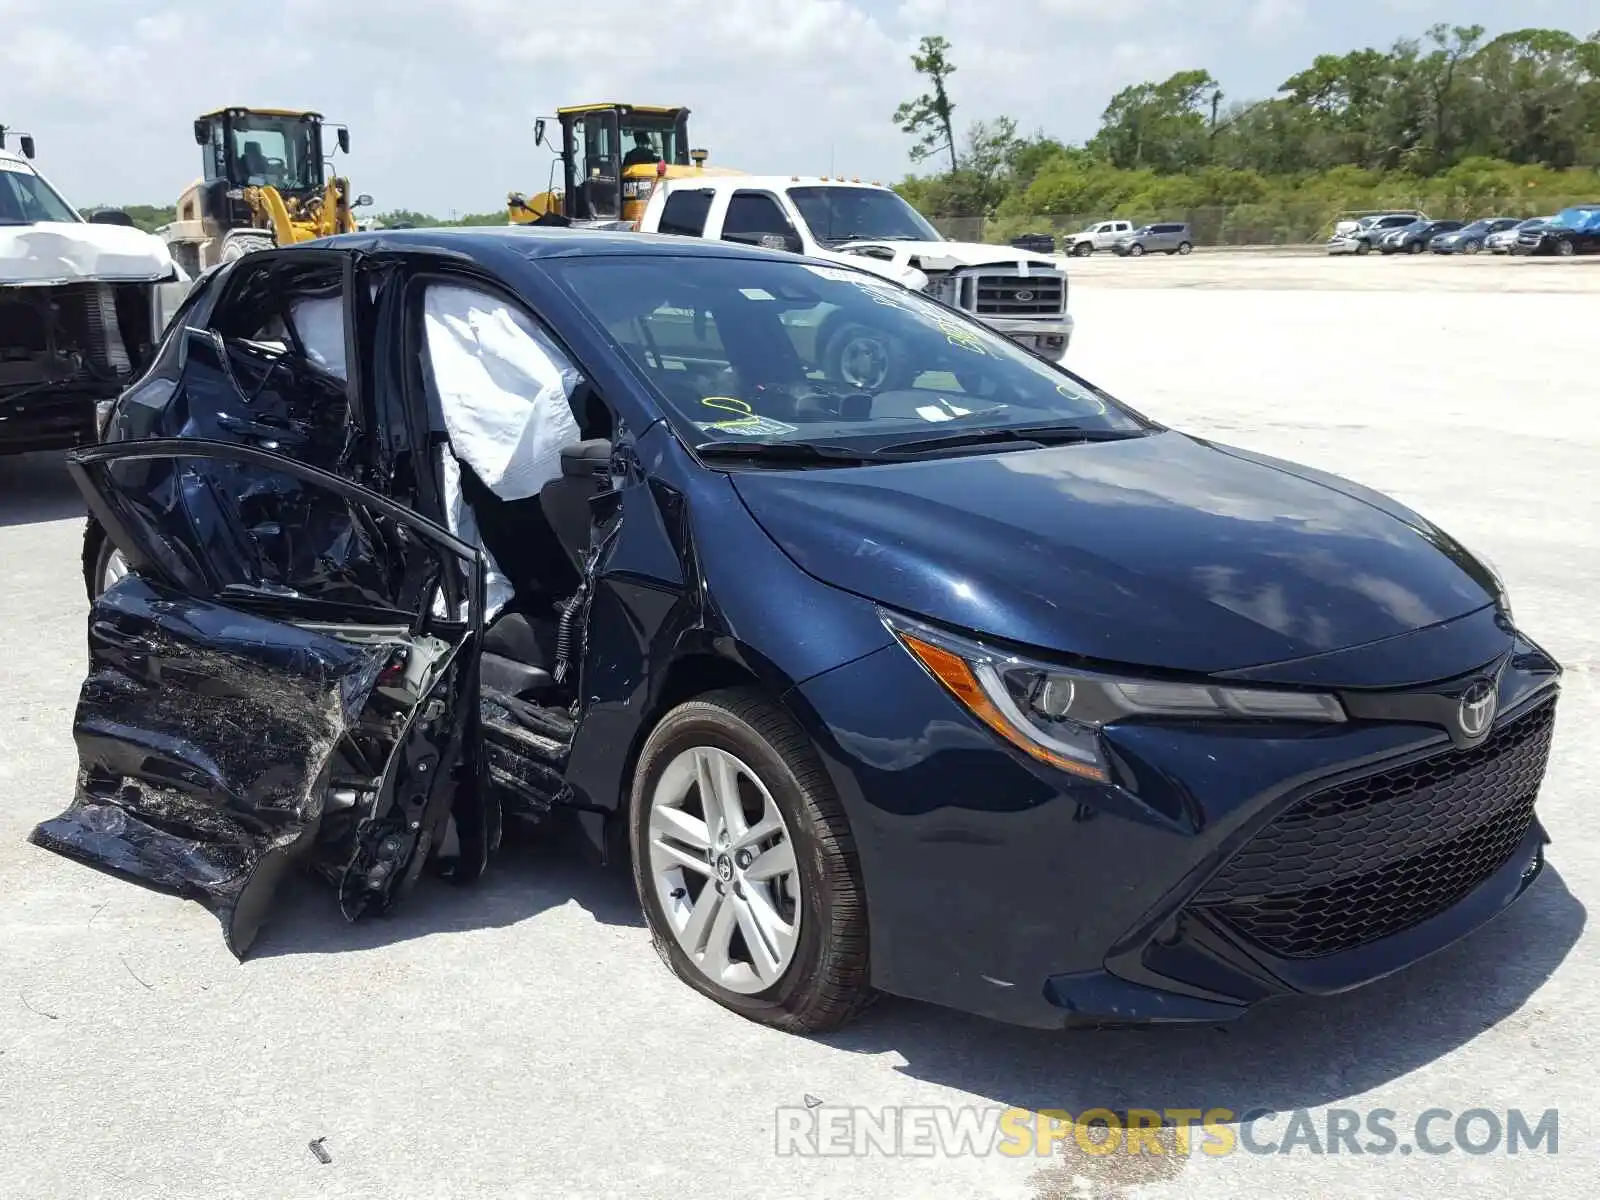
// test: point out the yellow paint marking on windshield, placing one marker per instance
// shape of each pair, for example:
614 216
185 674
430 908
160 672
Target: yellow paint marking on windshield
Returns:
729 404
1099 404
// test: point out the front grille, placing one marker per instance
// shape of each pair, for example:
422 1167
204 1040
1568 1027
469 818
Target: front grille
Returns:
1370 858
1020 295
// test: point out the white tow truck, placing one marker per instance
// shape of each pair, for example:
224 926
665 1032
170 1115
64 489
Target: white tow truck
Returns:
1015 292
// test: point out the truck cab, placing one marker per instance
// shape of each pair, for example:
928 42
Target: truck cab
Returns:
1015 292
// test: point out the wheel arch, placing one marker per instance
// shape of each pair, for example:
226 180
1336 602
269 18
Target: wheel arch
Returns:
697 671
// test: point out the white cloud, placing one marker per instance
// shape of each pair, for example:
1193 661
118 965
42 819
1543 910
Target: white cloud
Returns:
440 99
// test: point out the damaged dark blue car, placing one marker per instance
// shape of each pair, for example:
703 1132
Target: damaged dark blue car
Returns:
891 657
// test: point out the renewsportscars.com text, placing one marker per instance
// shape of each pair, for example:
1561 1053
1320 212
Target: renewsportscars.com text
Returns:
831 1131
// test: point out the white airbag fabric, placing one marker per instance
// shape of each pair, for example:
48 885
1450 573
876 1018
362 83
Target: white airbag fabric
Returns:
319 321
504 392
504 389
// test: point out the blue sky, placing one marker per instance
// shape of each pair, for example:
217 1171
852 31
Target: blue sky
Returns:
440 97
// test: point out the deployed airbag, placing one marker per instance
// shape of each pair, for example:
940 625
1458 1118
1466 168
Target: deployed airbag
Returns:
504 391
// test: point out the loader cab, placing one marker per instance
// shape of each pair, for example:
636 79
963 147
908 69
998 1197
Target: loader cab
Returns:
258 147
611 155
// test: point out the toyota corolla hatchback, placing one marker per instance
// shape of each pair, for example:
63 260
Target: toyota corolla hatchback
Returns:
979 688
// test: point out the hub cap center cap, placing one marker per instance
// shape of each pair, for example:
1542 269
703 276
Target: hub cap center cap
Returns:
724 867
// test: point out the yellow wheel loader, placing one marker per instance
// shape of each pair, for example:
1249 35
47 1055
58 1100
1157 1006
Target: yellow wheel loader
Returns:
265 184
610 158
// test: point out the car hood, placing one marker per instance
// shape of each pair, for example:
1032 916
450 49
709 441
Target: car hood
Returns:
1162 551
949 256
59 252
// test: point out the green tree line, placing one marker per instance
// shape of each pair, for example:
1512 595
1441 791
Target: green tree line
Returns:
1451 122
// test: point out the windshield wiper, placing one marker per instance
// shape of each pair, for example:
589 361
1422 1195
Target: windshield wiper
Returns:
801 453
1019 436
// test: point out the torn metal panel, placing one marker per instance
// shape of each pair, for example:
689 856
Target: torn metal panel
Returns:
206 737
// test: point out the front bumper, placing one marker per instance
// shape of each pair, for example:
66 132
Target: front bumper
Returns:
1000 887
1049 336
1344 246
57 419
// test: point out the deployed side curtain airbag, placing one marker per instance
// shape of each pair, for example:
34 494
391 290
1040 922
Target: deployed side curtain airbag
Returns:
504 388
504 391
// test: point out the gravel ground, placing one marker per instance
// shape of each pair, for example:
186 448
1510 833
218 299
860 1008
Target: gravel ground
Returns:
522 1039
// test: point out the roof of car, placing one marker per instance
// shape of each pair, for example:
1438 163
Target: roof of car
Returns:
16 158
535 242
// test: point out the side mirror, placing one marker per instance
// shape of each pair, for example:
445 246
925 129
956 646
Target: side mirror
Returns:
362 201
111 216
344 139
25 142
538 132
202 132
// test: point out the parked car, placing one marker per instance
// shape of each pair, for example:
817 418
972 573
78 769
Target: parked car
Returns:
1101 236
1574 230
1470 238
1415 237
1358 237
960 689
1506 239
1351 224
1037 243
1171 237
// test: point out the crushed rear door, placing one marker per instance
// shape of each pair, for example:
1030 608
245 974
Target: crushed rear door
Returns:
272 684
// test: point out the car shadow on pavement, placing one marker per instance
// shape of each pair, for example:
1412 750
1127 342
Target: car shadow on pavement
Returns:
530 874
36 488
1298 1053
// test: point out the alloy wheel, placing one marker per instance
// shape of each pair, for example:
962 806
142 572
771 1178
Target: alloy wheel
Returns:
722 862
114 569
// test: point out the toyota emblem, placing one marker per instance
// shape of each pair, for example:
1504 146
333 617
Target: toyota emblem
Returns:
1477 709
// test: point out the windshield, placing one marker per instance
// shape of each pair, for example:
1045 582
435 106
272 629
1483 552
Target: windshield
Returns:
25 198
648 144
280 152
1576 218
848 214
792 352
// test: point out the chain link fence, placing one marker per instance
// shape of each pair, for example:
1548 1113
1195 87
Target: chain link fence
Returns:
1292 224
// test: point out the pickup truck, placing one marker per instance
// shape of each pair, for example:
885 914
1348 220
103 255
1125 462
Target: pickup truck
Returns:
1101 236
82 306
1015 292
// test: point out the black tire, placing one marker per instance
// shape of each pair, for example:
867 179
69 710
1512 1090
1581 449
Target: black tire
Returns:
1184 247
97 551
1136 250
854 352
1471 247
1363 247
827 983
1565 248
1413 247
1083 250
236 246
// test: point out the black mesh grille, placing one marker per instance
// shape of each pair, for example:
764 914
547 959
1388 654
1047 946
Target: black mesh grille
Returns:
1366 859
1019 295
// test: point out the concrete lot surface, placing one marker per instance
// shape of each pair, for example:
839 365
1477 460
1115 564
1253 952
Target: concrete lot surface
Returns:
523 1040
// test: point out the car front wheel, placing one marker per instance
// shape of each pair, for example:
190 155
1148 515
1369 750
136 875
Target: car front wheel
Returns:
1136 250
746 867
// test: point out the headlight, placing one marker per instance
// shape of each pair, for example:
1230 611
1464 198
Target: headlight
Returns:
1502 599
1055 714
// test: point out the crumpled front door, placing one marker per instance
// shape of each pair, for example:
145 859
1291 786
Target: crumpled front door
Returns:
269 685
